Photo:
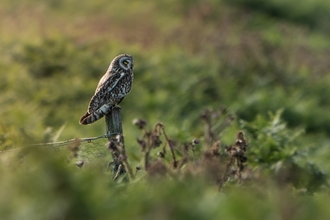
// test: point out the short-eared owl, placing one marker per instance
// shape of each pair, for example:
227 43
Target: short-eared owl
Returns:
111 90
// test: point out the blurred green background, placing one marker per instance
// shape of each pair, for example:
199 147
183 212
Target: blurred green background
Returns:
268 62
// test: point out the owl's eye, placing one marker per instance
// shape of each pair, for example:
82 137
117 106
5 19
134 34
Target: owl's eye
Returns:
125 62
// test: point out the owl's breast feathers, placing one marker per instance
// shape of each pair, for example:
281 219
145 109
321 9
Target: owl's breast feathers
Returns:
111 90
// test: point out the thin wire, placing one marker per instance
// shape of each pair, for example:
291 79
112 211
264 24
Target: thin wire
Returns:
58 144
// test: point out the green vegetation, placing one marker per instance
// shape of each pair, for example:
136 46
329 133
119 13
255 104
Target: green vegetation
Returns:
266 61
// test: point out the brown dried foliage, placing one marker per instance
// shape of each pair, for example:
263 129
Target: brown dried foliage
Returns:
215 163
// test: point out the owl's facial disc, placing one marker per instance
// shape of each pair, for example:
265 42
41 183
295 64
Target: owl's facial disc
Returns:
126 63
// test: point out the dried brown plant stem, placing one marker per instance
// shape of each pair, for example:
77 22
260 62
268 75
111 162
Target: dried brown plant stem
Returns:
147 149
146 159
224 176
114 128
170 143
238 158
209 135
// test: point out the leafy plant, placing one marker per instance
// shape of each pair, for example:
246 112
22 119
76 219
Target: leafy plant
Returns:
279 149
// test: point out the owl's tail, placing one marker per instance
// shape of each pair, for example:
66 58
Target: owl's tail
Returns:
89 118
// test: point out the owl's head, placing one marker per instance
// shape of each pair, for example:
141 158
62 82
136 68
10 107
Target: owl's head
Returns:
124 61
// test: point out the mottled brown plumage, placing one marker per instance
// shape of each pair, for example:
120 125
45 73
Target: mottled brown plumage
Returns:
111 90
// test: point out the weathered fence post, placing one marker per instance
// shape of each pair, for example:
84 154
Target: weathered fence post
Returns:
113 122
116 143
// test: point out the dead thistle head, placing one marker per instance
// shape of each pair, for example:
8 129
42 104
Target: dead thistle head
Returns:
140 123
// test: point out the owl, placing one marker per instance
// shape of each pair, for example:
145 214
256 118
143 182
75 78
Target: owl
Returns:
111 90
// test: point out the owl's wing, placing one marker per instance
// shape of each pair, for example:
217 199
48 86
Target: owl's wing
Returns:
103 93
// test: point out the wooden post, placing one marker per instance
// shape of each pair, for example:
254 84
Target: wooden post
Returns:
113 122
114 129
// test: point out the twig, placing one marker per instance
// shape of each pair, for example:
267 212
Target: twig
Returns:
224 176
170 143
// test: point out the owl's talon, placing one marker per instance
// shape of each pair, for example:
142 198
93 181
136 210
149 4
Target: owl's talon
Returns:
116 106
